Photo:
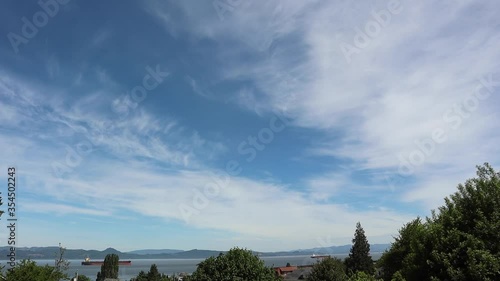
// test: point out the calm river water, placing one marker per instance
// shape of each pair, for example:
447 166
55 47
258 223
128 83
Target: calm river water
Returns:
171 266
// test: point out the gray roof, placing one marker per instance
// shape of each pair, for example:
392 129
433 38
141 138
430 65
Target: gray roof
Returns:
297 273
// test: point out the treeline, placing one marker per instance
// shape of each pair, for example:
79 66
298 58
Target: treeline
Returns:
460 241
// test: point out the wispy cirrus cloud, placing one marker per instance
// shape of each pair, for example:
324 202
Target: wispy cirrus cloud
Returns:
114 178
90 120
244 206
393 94
353 121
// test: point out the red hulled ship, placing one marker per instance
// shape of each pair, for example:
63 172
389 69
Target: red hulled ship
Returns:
87 261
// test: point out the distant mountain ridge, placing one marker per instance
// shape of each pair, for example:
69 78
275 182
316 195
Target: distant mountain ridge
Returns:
50 253
155 251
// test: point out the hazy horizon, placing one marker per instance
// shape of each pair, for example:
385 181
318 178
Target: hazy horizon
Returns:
157 249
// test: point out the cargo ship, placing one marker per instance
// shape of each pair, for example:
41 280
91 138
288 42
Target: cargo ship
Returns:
87 261
314 256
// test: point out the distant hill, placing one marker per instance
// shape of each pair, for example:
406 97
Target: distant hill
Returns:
155 251
50 253
333 250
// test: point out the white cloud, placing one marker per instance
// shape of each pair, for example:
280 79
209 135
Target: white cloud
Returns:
60 209
394 92
89 123
243 207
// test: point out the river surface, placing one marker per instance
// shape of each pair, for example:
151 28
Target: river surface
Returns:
174 266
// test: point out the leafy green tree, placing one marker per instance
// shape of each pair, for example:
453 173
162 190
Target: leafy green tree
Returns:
109 269
397 277
237 264
362 276
408 253
459 242
28 270
467 230
359 256
329 269
83 278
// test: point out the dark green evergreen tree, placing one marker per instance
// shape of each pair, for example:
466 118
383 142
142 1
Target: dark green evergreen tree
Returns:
359 257
142 276
153 274
109 269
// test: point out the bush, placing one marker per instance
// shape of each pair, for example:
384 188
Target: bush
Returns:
329 269
362 276
237 264
28 270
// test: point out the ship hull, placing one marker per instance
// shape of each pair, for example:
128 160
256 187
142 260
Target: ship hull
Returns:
102 262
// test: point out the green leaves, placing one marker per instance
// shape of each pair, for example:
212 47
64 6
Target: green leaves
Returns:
461 241
329 269
237 264
28 270
109 269
152 275
83 278
359 257
362 276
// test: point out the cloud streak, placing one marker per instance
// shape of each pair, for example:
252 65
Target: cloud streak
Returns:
388 97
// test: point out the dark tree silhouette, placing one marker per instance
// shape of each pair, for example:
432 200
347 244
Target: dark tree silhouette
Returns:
359 257
110 267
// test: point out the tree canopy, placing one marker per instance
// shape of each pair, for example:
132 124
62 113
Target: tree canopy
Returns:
109 269
359 259
152 275
83 278
329 269
237 264
28 270
460 241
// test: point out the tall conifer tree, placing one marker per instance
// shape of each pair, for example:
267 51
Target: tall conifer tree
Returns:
109 269
359 257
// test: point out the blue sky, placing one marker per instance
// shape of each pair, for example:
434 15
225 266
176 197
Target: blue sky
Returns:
266 125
